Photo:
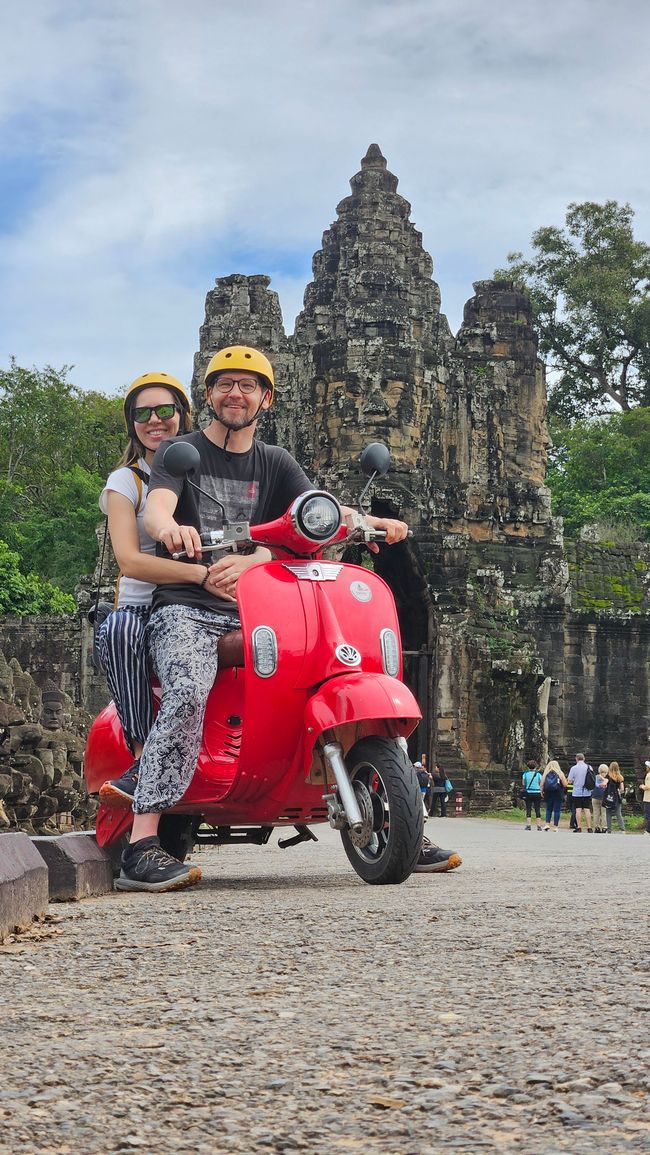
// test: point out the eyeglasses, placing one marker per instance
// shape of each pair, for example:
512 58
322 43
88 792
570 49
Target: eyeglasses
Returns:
142 413
227 386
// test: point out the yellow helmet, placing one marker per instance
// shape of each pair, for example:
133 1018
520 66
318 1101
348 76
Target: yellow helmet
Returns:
241 358
164 379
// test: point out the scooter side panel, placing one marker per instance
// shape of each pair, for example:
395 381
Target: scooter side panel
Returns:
106 754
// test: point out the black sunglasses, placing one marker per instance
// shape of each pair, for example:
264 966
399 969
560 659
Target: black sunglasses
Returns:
142 413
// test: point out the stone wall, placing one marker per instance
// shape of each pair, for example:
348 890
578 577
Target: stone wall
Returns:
42 737
497 610
518 643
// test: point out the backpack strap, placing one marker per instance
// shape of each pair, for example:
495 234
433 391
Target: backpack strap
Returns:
141 478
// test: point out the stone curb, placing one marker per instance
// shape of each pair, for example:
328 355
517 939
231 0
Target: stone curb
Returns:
23 883
77 866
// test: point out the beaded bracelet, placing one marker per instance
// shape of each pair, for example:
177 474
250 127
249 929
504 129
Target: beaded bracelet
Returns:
207 575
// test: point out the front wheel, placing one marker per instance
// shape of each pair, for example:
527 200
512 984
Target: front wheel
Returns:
389 796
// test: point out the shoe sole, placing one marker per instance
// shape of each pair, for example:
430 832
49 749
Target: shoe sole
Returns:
112 796
452 863
181 883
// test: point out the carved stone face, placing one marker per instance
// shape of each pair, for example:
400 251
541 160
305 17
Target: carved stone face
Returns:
52 717
354 413
6 682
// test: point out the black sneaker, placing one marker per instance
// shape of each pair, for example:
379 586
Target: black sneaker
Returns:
433 860
120 791
146 866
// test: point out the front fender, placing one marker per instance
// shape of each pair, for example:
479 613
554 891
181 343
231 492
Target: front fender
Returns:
359 704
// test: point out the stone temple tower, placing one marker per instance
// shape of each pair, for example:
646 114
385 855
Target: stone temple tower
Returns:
483 584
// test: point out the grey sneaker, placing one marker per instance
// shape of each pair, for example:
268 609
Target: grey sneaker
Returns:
434 860
120 791
146 866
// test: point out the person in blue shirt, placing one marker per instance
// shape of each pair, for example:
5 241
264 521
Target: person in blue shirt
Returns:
532 783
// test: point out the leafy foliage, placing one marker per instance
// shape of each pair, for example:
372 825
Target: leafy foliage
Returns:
22 593
590 288
599 471
57 444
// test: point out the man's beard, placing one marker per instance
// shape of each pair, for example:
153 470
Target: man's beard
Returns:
231 421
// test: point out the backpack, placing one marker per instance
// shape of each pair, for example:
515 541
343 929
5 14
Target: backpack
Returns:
552 781
590 779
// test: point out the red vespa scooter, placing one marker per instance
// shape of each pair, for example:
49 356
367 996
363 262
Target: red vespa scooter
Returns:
307 719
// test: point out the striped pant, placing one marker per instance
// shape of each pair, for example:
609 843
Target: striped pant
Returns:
123 654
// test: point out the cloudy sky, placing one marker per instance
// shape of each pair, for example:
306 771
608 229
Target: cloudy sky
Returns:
150 146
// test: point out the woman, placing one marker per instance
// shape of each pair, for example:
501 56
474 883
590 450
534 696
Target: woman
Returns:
597 795
532 783
552 789
156 407
614 796
438 791
645 786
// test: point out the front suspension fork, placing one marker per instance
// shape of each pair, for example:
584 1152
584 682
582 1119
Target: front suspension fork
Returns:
343 810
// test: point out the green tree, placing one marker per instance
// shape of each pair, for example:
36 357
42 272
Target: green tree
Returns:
22 593
599 471
590 288
61 539
57 444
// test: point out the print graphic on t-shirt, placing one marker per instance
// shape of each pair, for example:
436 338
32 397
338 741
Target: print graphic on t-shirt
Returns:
239 499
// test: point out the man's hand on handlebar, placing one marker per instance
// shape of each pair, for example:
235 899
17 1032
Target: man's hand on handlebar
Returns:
181 537
222 581
388 528
395 530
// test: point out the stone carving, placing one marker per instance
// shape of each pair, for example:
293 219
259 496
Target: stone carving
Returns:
486 582
515 641
41 782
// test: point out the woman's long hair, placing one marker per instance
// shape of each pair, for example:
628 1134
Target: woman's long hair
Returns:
615 772
135 449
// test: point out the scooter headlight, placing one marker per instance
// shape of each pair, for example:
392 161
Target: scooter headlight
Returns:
316 515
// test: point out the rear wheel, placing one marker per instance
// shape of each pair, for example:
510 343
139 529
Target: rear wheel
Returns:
176 834
387 790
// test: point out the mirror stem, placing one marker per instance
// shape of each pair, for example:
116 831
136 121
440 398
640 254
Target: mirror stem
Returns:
210 497
365 490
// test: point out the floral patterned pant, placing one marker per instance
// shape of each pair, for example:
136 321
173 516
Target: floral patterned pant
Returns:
183 648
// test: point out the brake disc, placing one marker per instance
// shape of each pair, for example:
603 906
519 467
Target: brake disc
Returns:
362 837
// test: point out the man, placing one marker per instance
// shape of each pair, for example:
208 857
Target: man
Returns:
581 794
254 482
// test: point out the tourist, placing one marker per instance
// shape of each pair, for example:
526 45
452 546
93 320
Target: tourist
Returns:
438 791
597 795
613 798
552 789
645 786
156 407
202 603
581 793
532 790
424 781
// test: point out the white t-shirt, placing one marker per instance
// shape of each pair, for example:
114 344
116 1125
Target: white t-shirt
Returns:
131 591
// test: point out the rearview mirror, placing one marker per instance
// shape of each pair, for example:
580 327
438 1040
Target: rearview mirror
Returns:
180 458
375 459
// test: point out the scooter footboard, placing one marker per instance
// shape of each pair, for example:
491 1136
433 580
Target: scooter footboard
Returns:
356 705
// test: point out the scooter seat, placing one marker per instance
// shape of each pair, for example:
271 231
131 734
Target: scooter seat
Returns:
230 649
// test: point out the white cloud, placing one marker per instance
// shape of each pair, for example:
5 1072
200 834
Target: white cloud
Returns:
171 140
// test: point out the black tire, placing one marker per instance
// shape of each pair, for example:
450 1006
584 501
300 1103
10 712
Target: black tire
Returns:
114 852
381 766
176 834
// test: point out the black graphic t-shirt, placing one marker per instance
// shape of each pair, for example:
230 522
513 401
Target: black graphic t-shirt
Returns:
255 486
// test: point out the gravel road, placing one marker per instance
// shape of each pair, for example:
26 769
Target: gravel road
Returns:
287 1006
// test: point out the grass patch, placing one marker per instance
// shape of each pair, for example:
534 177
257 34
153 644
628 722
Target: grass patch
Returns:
633 822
